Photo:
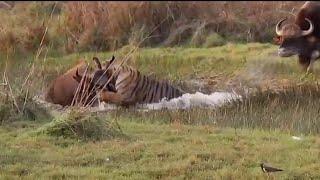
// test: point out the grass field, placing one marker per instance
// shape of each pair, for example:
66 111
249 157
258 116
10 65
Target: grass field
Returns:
157 150
225 143
230 66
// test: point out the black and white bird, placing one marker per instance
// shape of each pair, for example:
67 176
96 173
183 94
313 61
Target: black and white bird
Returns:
267 168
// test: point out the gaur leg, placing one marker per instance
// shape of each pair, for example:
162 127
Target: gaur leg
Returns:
310 67
315 55
304 63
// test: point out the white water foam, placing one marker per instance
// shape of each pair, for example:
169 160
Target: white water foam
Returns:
198 99
186 101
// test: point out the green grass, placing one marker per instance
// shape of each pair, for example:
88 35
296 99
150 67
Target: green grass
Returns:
155 151
231 65
226 143
214 40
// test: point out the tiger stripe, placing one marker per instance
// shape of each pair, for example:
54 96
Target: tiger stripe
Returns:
135 88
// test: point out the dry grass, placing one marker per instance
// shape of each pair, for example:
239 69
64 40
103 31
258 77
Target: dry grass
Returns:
98 26
116 22
16 103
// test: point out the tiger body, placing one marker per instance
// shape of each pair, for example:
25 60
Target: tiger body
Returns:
132 87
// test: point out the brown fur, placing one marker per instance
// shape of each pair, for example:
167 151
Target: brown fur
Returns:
292 42
63 88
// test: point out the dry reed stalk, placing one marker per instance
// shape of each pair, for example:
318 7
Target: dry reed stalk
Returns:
25 100
10 89
85 93
27 78
44 34
75 97
39 50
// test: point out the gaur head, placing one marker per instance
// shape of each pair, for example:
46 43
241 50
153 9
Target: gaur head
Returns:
102 75
292 39
97 80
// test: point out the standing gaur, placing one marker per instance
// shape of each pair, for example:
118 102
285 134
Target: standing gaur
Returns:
302 37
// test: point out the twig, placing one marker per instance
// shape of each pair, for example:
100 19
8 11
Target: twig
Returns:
85 88
25 100
30 72
287 12
11 92
46 30
75 97
72 35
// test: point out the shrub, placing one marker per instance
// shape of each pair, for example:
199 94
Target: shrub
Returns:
20 108
82 125
214 40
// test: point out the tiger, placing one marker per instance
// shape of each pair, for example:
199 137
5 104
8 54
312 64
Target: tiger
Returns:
130 86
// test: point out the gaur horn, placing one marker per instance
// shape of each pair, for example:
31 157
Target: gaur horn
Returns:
310 30
278 29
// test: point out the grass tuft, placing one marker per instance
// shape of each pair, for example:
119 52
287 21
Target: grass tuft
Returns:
82 125
214 40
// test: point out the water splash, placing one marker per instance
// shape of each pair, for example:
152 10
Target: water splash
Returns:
186 101
198 99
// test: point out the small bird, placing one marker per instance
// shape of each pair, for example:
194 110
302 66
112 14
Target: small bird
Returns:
267 169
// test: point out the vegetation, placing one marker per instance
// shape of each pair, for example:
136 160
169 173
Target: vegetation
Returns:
159 151
205 47
99 26
227 142
228 67
82 125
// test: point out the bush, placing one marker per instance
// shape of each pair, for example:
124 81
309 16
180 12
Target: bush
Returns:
82 125
16 95
214 40
20 109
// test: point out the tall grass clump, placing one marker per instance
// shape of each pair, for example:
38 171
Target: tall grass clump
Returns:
17 105
82 125
20 108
